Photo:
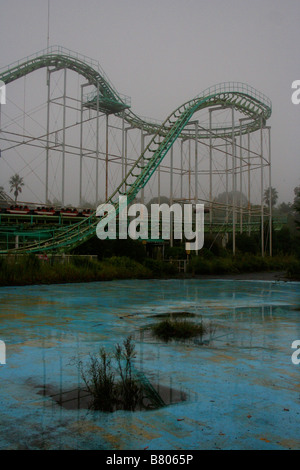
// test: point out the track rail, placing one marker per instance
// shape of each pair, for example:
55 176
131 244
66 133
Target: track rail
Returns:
239 96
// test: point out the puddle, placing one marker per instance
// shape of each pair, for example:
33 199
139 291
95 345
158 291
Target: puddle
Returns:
230 390
81 398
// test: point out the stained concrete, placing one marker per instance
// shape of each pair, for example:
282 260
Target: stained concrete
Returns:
242 389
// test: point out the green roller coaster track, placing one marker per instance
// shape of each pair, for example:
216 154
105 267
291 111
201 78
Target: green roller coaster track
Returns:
240 96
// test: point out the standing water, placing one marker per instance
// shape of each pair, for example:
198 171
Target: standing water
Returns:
234 387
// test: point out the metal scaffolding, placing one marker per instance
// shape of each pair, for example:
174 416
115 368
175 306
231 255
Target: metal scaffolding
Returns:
105 150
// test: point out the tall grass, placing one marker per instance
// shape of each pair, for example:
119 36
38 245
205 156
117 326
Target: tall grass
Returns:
111 381
29 269
239 264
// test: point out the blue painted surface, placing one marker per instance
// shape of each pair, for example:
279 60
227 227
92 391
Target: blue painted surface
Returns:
243 389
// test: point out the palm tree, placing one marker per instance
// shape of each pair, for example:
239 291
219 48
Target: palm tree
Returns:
16 183
274 196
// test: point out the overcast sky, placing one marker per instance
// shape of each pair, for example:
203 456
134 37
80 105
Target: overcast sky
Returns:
164 52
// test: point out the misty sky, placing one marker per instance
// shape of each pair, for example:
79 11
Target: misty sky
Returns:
164 52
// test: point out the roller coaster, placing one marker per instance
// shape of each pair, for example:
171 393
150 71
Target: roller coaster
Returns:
248 112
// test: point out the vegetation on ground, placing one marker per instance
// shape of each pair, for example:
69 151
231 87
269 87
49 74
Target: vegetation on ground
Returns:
241 263
29 269
132 259
178 329
114 384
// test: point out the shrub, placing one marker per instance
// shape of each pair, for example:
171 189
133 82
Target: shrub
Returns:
294 269
247 243
200 265
177 329
175 252
160 268
83 262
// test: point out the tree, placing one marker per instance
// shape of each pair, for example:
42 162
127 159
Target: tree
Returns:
16 183
230 196
285 208
57 202
87 205
274 196
156 200
296 205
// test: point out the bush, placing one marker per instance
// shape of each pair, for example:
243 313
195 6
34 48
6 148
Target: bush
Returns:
212 244
175 252
28 269
198 265
177 329
283 241
160 268
247 243
83 262
294 269
31 262
121 262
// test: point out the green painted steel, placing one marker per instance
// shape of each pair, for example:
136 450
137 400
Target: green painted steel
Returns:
237 95
61 58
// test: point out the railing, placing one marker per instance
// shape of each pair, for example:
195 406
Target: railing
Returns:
181 264
93 96
239 87
59 50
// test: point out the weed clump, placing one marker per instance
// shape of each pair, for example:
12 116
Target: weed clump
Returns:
113 382
178 329
100 381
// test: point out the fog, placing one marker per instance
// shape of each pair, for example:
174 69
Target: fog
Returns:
164 52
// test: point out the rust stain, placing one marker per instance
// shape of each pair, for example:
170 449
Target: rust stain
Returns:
28 301
222 358
290 443
86 427
12 316
195 422
165 426
264 439
138 429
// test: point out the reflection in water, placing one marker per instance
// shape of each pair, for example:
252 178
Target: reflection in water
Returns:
79 398
71 397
